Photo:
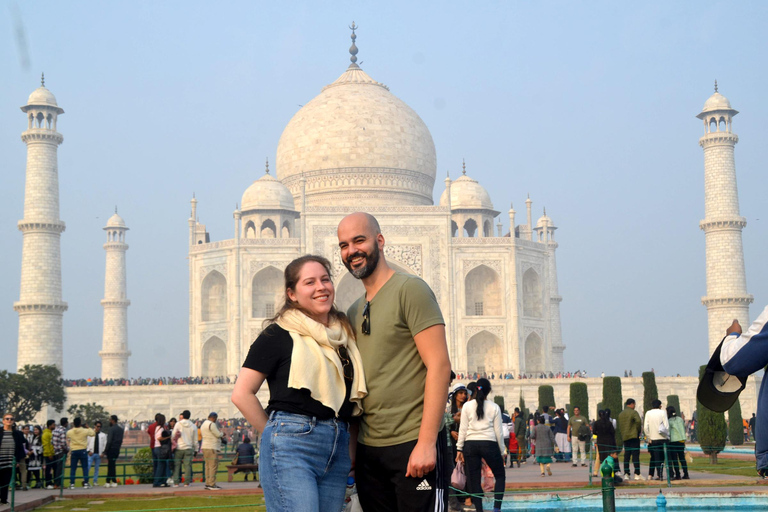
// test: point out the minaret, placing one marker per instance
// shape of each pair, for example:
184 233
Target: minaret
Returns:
114 346
40 306
727 296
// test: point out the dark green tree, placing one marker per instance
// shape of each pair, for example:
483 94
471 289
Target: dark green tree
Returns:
523 409
546 397
674 401
650 391
711 428
735 424
579 397
89 412
142 465
24 394
499 401
613 400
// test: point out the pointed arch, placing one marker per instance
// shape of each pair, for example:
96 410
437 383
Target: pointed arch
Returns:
482 292
267 292
534 354
454 228
484 353
268 229
532 294
214 358
487 228
214 297
286 230
250 229
470 228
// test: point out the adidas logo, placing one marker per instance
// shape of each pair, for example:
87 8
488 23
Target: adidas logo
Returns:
424 486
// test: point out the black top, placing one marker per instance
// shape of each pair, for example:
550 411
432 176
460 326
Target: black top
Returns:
271 354
561 425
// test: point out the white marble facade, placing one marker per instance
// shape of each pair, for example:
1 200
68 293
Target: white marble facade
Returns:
358 147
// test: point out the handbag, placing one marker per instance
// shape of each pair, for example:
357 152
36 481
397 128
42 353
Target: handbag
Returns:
664 430
459 477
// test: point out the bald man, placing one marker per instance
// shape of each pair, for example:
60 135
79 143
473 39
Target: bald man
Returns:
402 458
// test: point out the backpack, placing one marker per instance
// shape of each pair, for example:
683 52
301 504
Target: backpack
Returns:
584 433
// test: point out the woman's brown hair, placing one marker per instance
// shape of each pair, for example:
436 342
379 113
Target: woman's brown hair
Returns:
291 278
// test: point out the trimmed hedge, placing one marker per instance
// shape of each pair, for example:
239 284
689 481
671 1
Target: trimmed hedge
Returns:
546 397
650 391
579 398
711 428
735 424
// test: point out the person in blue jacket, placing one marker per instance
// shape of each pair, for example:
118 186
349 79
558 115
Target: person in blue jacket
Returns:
741 355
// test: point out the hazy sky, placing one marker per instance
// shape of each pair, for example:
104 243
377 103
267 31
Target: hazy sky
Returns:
588 106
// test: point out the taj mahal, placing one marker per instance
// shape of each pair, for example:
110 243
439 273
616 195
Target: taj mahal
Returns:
357 146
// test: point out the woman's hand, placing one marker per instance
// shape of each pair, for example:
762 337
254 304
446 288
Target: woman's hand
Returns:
460 457
455 436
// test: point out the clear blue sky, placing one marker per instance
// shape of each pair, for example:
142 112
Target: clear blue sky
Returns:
587 106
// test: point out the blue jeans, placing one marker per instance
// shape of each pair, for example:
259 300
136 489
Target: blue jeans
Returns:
76 456
161 468
94 461
304 463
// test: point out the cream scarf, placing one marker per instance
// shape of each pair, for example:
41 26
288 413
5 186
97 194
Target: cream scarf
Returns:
315 364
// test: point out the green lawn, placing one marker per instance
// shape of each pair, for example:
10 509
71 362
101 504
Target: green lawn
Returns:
175 503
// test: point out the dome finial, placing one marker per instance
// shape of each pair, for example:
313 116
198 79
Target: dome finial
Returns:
267 165
715 85
42 80
115 209
353 48
463 167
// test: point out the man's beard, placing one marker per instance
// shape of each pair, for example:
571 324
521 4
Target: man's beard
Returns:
371 262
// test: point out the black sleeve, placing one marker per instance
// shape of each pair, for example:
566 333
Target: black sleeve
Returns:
269 350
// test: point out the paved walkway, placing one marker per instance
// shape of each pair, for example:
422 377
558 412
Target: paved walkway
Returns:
565 480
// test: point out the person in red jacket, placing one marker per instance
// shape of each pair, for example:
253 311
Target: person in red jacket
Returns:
514 448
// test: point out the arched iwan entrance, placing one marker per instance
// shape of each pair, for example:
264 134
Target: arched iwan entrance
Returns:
485 353
214 358
267 292
534 354
214 297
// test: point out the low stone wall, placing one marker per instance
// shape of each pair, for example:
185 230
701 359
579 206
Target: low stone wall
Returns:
143 402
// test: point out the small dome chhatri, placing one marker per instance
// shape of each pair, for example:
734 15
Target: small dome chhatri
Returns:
42 96
544 220
467 194
116 221
716 102
267 193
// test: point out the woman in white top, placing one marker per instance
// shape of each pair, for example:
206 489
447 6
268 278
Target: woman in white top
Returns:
481 438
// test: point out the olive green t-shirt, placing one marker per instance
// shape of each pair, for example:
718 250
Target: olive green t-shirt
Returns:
394 371
575 423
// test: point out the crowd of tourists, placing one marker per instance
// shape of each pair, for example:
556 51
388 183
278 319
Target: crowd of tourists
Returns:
37 455
141 381
511 376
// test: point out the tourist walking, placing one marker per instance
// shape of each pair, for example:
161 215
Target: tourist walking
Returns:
185 434
656 428
11 451
520 430
112 449
309 358
630 426
676 446
402 450
212 439
22 474
606 434
458 399
561 436
544 441
481 438
96 447
578 435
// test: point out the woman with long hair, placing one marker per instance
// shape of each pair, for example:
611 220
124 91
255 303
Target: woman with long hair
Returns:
308 356
458 399
481 438
606 434
545 445
35 460
676 445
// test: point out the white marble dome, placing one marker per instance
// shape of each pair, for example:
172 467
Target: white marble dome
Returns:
267 193
357 143
467 194
716 102
544 219
115 221
42 96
